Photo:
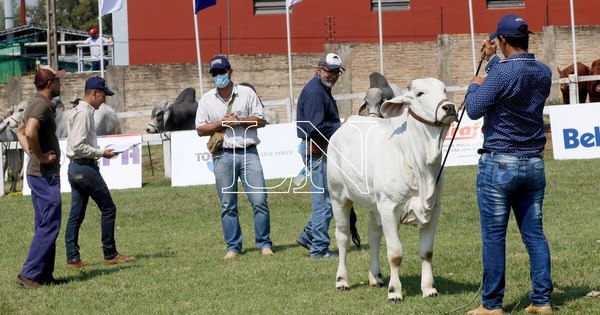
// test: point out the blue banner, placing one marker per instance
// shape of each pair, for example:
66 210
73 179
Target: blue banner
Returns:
203 4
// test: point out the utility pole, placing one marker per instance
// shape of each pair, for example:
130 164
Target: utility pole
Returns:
52 45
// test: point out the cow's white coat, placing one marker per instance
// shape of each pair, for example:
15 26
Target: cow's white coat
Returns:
389 165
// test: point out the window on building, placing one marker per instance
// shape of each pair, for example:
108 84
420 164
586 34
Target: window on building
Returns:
389 5
505 3
269 6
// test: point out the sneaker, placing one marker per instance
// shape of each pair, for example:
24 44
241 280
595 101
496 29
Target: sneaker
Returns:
119 259
231 254
481 310
267 251
303 240
533 309
27 283
80 264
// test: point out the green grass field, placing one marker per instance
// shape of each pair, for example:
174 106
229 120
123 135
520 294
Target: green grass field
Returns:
175 234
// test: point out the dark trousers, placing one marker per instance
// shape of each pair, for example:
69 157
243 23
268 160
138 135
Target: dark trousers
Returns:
96 65
45 196
86 182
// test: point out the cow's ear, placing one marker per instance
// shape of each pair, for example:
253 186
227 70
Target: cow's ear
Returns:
393 107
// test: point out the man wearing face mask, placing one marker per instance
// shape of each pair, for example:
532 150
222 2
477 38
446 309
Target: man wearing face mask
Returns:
318 118
237 111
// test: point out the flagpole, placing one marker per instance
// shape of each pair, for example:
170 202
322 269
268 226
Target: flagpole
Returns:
472 36
380 36
101 38
198 56
289 47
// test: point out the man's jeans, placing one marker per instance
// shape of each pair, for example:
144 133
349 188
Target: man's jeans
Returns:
86 182
321 214
505 182
242 164
47 205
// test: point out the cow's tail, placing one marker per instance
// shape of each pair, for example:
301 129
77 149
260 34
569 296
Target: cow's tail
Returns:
353 229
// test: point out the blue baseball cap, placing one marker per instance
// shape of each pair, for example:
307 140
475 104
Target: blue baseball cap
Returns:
219 63
98 83
511 25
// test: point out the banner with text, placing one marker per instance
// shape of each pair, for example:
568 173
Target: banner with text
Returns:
575 131
121 172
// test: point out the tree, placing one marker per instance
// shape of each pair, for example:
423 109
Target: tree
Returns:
72 14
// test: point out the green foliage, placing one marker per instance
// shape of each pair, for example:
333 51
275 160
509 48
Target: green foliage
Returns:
72 14
175 233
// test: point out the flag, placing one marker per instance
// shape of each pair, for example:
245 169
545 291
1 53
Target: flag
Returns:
292 2
203 4
110 6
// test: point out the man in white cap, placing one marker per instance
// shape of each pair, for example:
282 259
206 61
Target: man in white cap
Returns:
317 119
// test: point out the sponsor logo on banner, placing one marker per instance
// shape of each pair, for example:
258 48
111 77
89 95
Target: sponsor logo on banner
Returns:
575 131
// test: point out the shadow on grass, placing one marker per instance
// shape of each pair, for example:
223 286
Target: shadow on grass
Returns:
155 255
560 296
90 272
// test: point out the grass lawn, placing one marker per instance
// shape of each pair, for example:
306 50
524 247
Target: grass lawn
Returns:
175 233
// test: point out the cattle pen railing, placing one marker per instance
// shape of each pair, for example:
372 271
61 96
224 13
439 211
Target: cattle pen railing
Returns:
572 80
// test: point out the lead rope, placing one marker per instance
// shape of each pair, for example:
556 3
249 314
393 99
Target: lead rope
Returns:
457 125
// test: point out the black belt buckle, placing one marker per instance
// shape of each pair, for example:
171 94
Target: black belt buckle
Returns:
482 151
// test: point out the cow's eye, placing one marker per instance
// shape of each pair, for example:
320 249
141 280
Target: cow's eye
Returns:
420 94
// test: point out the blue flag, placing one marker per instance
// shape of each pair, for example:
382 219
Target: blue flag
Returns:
203 4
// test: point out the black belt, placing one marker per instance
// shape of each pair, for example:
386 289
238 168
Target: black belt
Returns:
248 147
84 161
484 151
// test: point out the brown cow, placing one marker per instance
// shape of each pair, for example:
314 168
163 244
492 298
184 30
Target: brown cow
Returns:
594 86
583 86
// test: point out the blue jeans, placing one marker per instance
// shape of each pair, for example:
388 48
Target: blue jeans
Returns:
86 181
322 212
505 182
47 205
242 164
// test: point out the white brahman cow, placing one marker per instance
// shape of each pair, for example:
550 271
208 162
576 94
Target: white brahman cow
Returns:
389 165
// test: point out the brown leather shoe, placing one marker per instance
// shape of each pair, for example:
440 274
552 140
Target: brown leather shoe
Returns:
533 309
119 259
77 265
267 251
484 311
231 254
27 283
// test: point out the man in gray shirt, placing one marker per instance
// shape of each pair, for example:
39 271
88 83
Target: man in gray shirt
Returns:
85 178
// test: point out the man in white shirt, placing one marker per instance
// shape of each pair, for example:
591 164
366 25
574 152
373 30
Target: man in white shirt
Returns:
96 45
236 110
85 178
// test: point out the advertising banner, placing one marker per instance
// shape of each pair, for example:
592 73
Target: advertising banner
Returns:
121 172
575 131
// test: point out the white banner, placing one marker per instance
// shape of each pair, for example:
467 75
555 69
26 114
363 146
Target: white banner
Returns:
575 131
468 139
191 164
121 172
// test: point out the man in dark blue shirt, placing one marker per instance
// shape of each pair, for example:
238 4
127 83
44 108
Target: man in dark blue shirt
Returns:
511 167
317 119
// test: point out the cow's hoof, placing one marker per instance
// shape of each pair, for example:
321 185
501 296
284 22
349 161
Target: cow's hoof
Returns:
377 285
430 293
342 288
395 299
376 282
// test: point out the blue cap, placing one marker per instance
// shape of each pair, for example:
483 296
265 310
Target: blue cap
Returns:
511 25
219 63
98 83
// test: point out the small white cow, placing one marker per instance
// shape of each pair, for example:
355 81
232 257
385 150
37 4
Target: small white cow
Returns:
389 165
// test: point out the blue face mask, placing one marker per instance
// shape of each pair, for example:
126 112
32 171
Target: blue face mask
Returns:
221 80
